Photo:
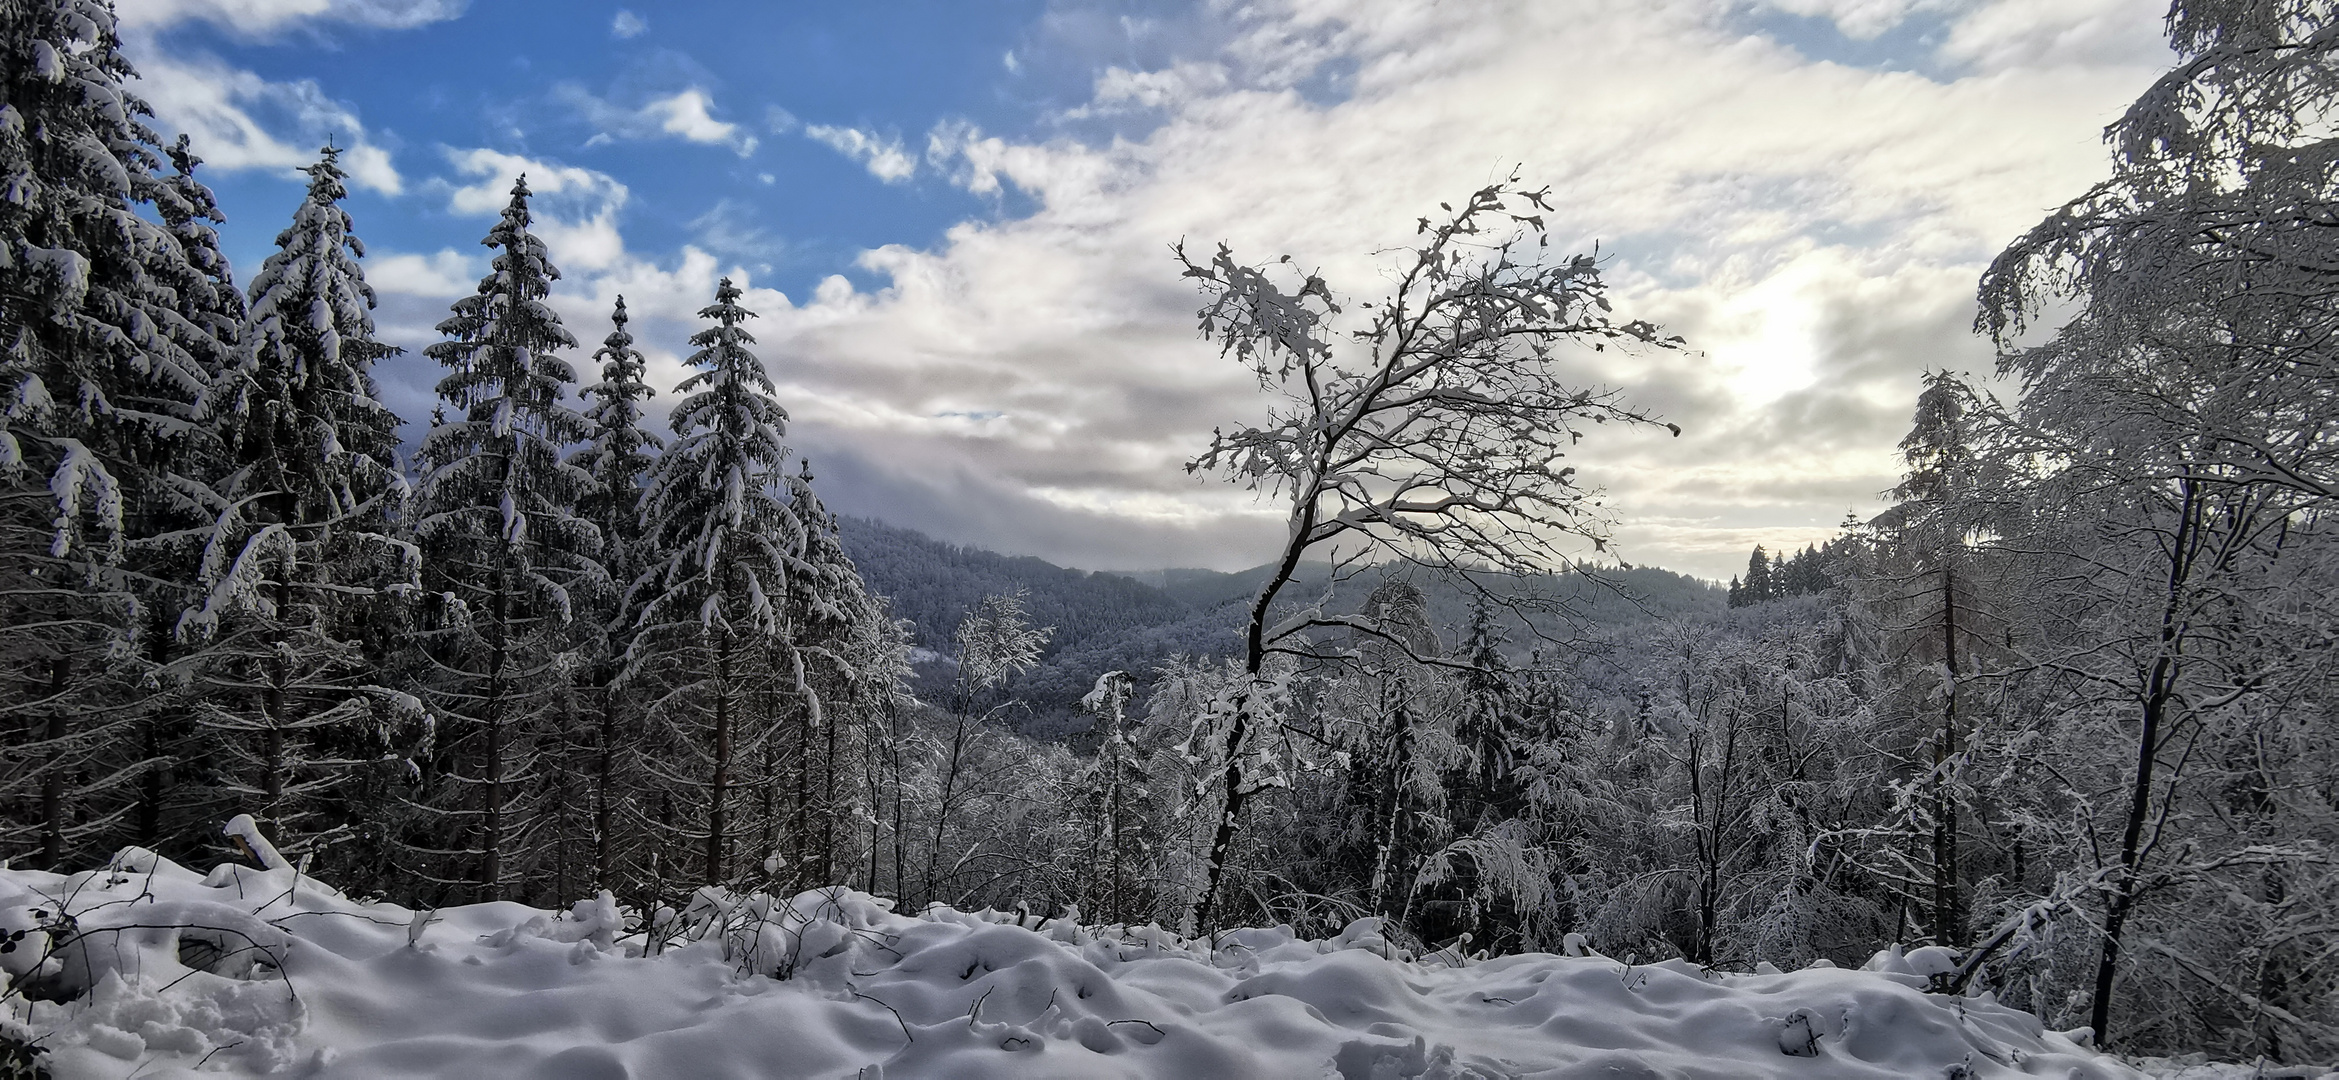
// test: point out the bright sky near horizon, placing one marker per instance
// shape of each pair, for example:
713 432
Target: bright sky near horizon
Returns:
954 215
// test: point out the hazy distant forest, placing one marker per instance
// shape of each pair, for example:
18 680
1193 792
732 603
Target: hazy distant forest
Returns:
2067 705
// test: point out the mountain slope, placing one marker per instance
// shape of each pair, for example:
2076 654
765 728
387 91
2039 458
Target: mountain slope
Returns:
1131 622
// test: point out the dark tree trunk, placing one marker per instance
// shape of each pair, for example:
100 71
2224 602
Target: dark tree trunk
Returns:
53 802
719 787
1948 899
2160 691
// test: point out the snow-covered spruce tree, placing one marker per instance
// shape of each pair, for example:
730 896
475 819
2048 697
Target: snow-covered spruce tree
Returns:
208 298
1927 585
508 564
100 366
1394 708
303 543
843 682
1486 803
166 556
2184 465
1122 803
882 652
714 629
618 454
1490 724
1429 435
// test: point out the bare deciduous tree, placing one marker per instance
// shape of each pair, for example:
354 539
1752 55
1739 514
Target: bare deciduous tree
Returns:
1431 434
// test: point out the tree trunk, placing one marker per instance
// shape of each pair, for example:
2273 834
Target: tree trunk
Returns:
1389 807
2159 692
828 808
1254 662
491 862
900 799
719 788
53 774
1113 752
1222 841
603 761
1948 900
272 709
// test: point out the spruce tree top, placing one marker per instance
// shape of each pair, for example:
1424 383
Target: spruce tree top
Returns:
208 296
504 336
733 544
495 475
619 451
829 594
311 290
301 408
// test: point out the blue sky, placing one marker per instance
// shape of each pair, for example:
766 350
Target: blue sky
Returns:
528 78
954 216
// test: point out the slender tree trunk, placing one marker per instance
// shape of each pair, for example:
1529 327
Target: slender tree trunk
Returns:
272 707
1113 751
1711 839
1389 807
154 786
828 808
53 803
801 785
603 761
1254 662
900 799
2160 691
491 863
770 790
1699 951
719 789
945 797
1948 901
1222 840
870 780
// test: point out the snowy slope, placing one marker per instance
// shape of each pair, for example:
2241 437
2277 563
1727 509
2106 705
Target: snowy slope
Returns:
292 977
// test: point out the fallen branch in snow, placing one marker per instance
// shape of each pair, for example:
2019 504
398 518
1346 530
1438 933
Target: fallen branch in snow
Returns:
905 1025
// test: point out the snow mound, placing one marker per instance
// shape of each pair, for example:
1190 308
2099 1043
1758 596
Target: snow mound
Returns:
146 967
2197 1067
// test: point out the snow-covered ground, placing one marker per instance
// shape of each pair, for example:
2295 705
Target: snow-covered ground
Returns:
169 972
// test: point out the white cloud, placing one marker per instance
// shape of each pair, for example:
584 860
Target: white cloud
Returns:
1121 88
261 18
442 274
883 156
1988 35
575 208
628 25
2002 34
686 114
1857 19
238 120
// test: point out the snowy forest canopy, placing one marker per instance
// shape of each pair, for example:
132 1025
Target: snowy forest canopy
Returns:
2066 707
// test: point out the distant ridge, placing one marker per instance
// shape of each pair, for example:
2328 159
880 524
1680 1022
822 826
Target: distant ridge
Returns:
1132 621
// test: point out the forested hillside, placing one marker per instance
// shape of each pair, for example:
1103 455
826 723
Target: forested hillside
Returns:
1138 622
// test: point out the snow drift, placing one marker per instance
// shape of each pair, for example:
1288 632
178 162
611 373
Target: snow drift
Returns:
145 966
